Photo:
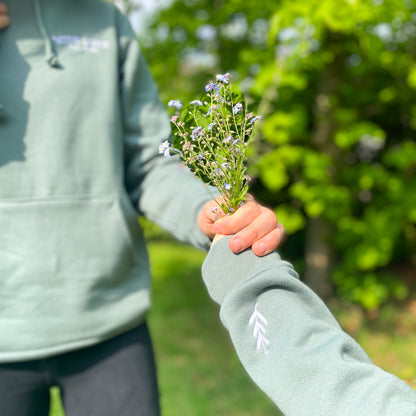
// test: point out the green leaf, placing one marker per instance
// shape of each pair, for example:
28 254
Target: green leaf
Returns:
350 135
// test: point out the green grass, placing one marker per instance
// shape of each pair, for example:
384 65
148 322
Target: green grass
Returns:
199 373
387 335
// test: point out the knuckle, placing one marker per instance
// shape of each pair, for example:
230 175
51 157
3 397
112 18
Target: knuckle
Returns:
252 205
271 218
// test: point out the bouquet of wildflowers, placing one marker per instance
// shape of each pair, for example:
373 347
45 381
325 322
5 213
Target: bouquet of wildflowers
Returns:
211 135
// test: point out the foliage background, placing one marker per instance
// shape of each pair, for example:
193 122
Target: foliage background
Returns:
336 155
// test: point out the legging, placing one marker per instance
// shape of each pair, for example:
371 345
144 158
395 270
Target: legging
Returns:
114 378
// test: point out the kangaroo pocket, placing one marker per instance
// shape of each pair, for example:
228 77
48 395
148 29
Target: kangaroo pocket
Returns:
77 249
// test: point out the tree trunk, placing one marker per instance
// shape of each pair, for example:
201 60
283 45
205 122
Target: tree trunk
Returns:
319 248
318 257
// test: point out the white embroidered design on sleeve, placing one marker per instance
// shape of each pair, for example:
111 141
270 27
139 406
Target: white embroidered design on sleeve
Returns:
259 330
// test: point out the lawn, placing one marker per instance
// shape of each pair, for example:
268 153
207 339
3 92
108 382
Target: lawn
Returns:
199 373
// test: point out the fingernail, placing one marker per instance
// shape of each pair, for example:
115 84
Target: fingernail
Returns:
261 249
236 245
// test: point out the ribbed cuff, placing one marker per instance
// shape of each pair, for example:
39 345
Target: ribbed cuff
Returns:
222 269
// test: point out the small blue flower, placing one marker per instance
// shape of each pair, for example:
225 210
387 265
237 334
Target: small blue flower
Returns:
164 148
212 87
229 139
211 125
225 78
211 109
175 103
227 186
196 133
200 156
253 120
217 173
226 165
219 97
236 141
196 102
237 108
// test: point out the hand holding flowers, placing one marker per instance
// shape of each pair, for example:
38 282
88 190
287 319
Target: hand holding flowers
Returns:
211 136
253 225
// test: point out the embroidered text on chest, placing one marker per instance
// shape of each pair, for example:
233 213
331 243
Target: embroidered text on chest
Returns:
259 323
81 43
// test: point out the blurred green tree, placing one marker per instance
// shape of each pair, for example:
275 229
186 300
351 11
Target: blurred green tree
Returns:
335 81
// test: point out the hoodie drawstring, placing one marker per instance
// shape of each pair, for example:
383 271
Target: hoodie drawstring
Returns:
50 52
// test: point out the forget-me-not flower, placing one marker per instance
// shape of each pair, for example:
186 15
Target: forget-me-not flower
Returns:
164 148
211 109
212 87
175 103
237 108
254 119
225 78
196 132
229 139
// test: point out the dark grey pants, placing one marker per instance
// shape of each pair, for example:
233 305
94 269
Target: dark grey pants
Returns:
114 378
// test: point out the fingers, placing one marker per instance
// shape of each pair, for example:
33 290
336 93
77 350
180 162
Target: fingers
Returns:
4 18
252 225
210 213
263 234
269 242
241 218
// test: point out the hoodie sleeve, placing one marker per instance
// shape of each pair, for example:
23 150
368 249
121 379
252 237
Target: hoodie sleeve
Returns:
161 188
292 346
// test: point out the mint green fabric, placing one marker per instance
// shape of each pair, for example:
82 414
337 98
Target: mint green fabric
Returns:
292 346
78 161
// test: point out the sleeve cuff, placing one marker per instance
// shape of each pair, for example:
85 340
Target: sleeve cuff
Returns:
223 270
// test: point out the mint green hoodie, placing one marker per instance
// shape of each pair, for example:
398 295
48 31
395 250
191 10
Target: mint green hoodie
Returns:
79 137
292 346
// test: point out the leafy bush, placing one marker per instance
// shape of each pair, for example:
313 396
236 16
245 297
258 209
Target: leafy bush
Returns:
335 82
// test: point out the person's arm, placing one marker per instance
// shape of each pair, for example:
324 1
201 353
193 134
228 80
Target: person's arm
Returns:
292 346
4 17
162 188
159 187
